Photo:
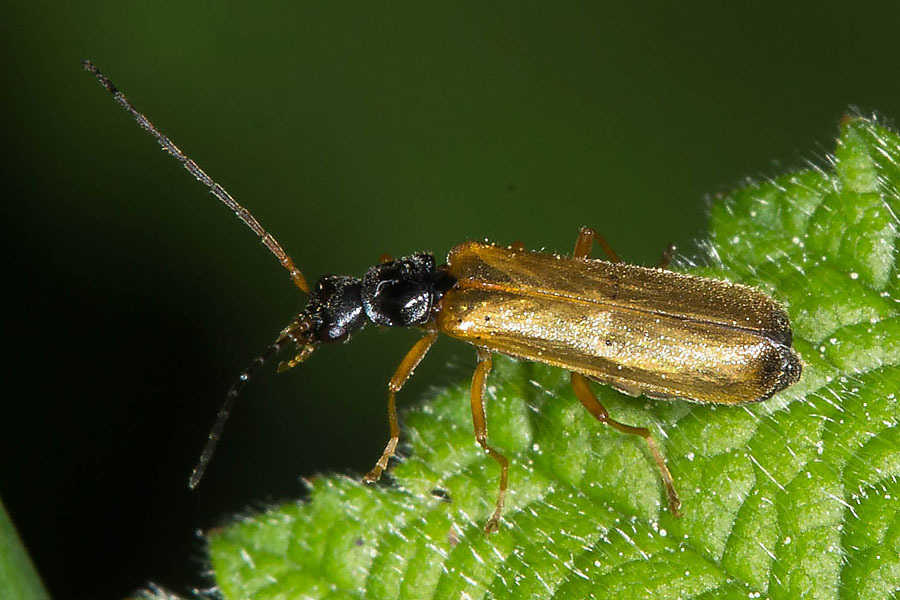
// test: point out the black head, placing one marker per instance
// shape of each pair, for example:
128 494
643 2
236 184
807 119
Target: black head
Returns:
334 310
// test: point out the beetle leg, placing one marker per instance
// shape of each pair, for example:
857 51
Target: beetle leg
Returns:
586 395
479 380
586 238
666 259
406 368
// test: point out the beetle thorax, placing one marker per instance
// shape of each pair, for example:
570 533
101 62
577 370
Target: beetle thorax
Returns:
400 293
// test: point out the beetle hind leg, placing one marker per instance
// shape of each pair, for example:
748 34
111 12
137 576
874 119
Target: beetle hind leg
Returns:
586 395
666 259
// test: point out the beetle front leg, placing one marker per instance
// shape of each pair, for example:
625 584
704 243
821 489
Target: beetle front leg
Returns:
406 368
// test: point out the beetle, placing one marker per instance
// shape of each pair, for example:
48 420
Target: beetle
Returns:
644 331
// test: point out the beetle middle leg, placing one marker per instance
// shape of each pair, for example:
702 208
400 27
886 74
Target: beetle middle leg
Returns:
586 238
586 395
479 380
406 368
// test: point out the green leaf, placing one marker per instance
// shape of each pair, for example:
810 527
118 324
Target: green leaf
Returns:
18 579
794 497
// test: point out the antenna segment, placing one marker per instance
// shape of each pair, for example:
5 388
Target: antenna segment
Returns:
194 169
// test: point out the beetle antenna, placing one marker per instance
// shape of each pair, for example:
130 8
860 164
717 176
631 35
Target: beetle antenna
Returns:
230 398
194 169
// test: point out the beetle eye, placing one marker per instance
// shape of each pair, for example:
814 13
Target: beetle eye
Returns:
336 333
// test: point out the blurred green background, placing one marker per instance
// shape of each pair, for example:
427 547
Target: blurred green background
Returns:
132 299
